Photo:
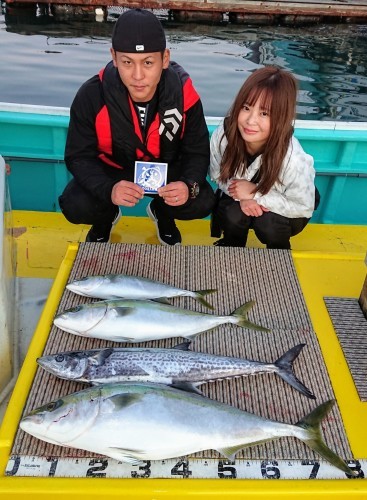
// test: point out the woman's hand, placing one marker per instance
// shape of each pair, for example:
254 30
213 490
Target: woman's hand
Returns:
239 189
252 208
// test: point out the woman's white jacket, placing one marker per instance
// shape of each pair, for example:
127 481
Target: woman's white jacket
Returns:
293 196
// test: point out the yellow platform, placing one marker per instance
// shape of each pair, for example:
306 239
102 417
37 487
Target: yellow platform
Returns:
43 237
329 261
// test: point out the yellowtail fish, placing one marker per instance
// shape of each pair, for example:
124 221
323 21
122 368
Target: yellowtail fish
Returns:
115 286
143 320
139 422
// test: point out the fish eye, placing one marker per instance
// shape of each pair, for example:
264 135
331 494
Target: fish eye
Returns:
76 308
53 405
59 358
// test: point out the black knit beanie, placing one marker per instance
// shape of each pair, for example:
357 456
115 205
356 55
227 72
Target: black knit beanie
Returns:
138 30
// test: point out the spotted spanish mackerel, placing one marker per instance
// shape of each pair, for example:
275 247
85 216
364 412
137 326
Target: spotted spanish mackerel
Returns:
143 320
114 286
139 422
178 367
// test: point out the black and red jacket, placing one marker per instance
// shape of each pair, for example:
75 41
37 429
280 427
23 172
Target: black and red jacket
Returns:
105 137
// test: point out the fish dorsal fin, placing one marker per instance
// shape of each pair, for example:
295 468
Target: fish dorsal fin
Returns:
184 346
161 300
124 400
100 357
123 310
186 386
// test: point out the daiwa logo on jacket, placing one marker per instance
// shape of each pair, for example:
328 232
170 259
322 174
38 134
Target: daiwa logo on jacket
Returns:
171 117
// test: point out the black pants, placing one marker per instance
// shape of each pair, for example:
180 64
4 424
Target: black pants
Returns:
271 229
80 207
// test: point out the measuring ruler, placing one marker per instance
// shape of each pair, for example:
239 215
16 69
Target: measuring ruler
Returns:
180 468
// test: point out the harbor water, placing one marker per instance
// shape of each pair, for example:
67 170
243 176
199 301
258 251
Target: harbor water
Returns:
44 60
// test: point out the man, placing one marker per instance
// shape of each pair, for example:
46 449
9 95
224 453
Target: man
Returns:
140 107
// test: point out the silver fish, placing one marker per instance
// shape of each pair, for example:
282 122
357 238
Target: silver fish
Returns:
143 320
139 422
115 286
178 367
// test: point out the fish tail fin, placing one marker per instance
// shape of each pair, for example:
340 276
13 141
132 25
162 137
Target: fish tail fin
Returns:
285 366
241 315
199 295
311 424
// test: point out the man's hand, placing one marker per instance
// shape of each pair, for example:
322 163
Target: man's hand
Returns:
239 189
252 208
126 194
175 193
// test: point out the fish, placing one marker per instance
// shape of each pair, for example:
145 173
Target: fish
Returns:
178 367
115 286
136 422
143 320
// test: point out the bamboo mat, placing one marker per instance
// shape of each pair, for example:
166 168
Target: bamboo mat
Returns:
239 275
350 326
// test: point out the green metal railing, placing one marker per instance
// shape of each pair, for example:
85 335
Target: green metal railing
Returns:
34 144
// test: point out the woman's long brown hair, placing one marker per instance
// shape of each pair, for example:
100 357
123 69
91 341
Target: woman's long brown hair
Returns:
277 90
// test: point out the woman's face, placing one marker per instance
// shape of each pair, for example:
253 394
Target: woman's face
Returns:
254 126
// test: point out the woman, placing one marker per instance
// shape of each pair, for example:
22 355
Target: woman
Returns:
265 179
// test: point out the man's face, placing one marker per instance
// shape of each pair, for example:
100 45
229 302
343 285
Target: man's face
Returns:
140 73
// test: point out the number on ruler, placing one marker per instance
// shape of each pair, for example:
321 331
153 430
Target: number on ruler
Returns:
181 469
315 467
15 468
94 471
225 472
54 462
356 466
269 469
145 470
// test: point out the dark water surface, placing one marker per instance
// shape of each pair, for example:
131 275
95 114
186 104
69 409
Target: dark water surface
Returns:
44 61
